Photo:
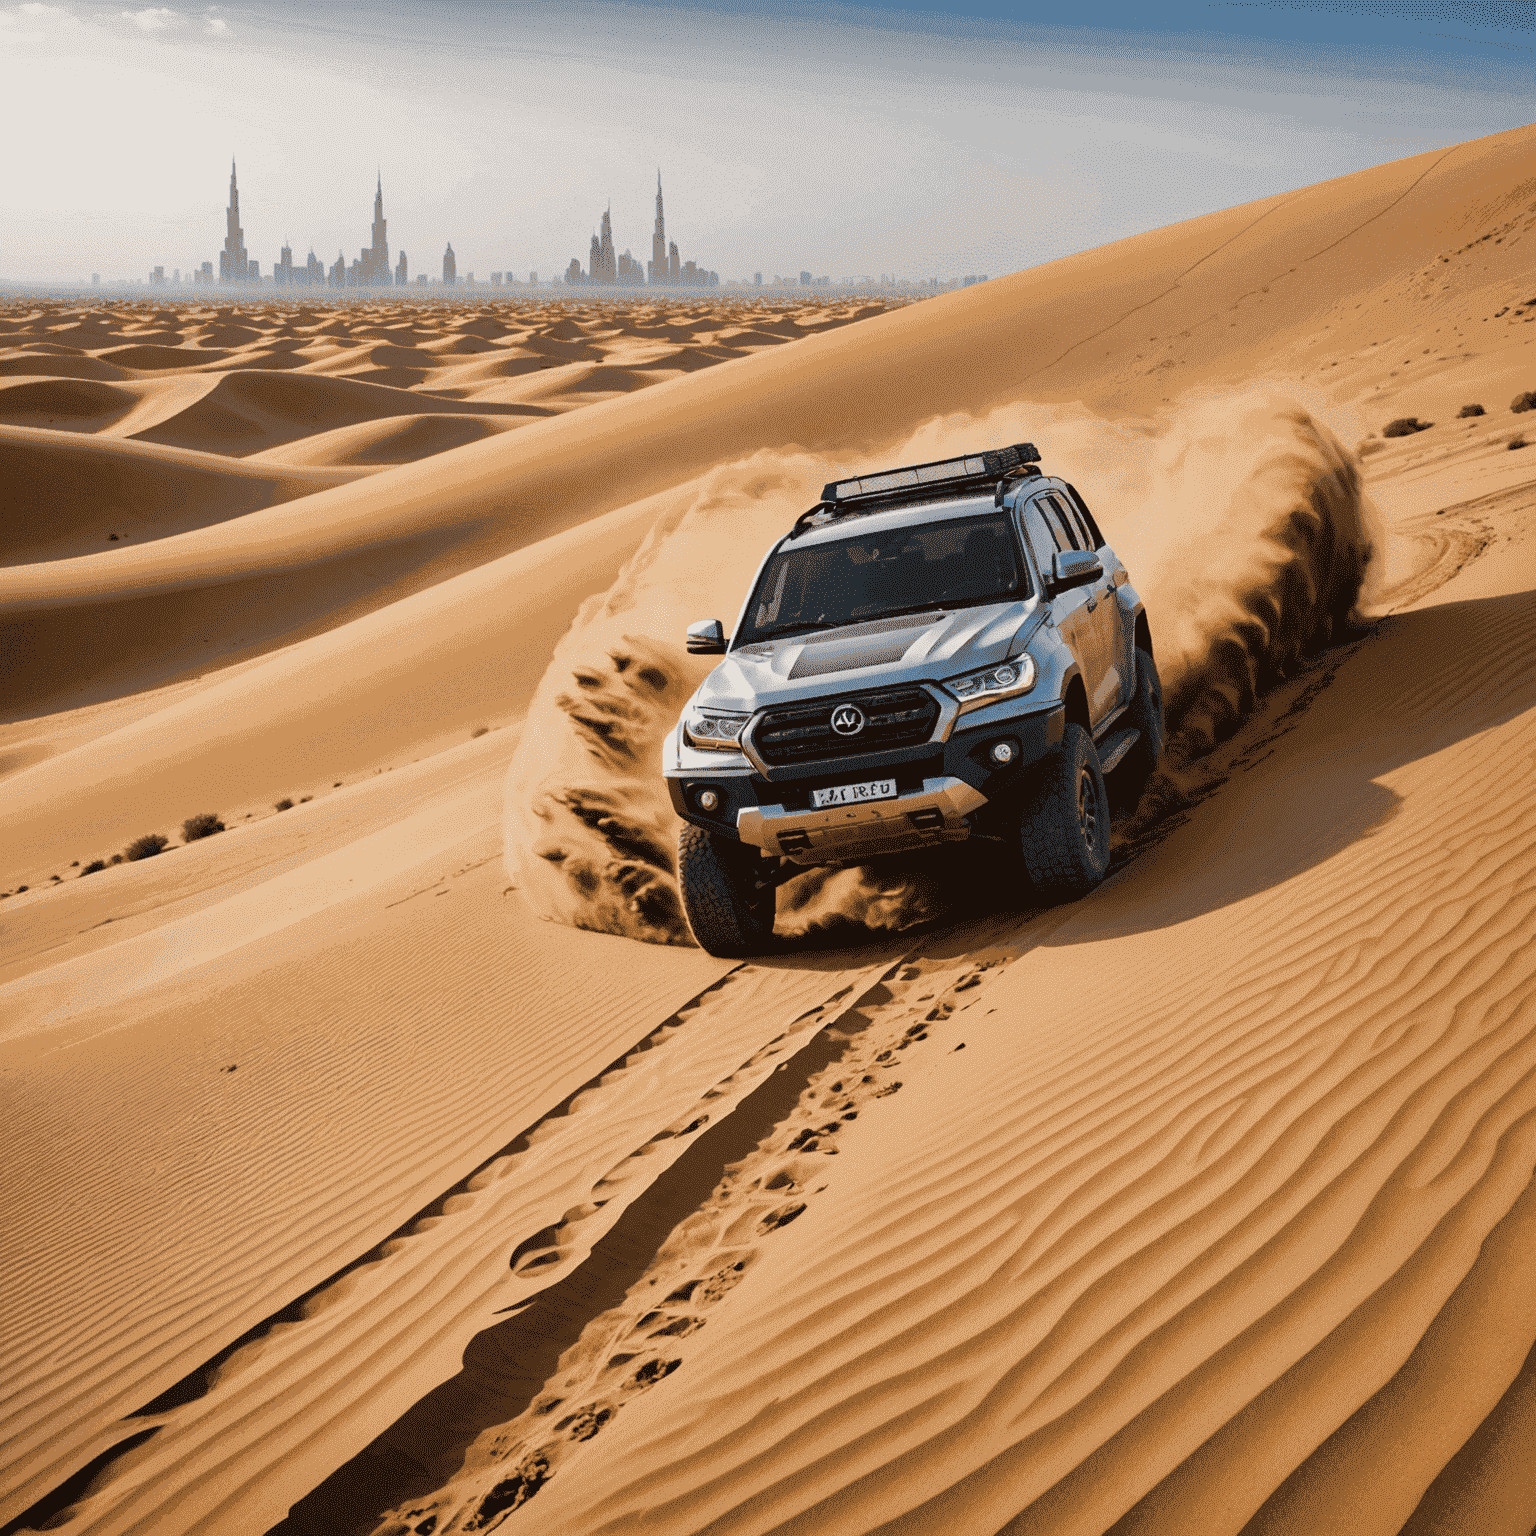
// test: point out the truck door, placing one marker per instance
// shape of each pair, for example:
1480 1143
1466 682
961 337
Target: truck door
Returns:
1103 632
1095 616
1048 531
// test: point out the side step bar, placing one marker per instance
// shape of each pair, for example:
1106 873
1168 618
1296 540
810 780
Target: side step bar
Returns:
1113 748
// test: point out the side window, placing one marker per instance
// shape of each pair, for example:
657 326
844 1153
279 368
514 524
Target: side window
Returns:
1061 529
1069 516
1041 544
1082 507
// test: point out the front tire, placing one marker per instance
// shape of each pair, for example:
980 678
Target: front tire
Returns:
728 908
1064 829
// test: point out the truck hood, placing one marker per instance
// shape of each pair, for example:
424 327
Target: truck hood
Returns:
914 647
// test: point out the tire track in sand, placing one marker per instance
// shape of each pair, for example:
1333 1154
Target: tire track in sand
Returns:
393 1322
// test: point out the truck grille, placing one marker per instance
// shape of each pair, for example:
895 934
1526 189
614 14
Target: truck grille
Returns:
801 733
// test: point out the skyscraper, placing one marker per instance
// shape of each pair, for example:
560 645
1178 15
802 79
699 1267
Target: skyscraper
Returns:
234 265
450 267
373 263
610 266
660 271
402 272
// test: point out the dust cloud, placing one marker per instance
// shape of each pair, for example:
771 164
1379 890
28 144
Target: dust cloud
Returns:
1242 519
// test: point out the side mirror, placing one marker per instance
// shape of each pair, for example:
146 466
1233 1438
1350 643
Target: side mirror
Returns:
1074 568
706 638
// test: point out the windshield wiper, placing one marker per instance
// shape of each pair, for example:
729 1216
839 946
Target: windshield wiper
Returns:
896 613
794 629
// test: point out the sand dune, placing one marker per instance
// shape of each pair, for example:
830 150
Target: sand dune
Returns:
65 494
348 1192
247 412
392 440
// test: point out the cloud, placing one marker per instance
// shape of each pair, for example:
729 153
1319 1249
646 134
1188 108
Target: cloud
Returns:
217 26
154 19
38 20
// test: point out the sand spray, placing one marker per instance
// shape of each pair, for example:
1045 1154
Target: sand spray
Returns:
1241 516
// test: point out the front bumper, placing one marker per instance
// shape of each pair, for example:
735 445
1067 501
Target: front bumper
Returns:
942 784
933 814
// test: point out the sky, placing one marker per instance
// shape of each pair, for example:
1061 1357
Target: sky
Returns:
917 141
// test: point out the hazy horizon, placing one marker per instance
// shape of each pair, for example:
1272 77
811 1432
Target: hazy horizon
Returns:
850 141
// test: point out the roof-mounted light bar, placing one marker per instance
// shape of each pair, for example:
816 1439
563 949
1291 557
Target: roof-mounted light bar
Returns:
989 465
976 472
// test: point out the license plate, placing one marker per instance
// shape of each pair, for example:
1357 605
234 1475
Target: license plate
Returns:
854 794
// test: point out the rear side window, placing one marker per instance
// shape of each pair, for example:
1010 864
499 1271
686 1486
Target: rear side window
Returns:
1069 515
1087 516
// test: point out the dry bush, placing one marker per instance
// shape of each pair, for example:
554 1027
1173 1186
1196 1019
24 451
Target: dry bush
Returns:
93 867
203 825
146 847
1525 402
1470 410
283 805
480 730
1405 426
1518 441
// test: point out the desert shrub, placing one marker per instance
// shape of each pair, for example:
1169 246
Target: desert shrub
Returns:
204 825
282 805
116 858
93 866
21 888
1405 426
1525 402
146 847
1470 410
480 730
1518 441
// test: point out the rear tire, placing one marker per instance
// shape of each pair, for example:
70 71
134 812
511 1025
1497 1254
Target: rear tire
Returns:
1146 716
1064 829
730 914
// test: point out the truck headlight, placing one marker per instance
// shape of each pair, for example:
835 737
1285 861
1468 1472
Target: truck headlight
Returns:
713 730
1001 681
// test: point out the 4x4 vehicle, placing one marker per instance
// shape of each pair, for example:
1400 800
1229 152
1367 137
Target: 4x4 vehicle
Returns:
935 653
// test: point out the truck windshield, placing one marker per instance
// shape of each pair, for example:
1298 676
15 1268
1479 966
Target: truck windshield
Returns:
959 563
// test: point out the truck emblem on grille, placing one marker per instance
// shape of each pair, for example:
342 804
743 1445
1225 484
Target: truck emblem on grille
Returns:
847 720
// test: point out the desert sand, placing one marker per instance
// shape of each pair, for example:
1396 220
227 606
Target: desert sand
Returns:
392 1162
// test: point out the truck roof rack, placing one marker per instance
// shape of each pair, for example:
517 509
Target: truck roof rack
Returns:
918 482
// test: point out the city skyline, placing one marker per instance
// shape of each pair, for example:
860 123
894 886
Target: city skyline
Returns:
869 143
371 269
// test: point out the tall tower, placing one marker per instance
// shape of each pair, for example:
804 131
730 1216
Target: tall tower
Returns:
234 264
376 257
450 267
660 272
610 262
